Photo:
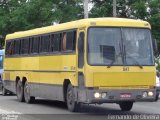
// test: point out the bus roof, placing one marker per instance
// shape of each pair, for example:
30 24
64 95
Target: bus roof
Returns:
110 21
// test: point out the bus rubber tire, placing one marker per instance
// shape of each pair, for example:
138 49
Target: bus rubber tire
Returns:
4 91
72 105
157 97
126 106
20 91
27 97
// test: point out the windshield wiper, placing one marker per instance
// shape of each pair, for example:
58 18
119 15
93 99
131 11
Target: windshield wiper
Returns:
132 58
113 61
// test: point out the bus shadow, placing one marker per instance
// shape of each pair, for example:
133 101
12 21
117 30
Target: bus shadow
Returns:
50 103
12 94
86 109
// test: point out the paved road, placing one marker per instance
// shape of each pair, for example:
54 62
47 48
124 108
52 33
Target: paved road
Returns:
47 109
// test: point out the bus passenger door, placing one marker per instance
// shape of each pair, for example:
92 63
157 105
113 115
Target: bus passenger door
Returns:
81 48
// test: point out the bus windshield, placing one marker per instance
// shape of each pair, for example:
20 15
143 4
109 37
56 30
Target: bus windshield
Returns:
120 46
1 61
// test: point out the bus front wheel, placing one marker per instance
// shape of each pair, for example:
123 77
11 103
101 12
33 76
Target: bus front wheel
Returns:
27 97
19 91
72 105
126 106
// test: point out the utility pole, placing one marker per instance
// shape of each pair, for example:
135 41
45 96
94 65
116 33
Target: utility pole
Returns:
85 8
114 8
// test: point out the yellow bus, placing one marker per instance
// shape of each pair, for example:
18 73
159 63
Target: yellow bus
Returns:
88 61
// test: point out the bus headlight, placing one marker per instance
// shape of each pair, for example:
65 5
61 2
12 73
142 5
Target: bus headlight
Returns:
104 95
144 94
97 95
150 93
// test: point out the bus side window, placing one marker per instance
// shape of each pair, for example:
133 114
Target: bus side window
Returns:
8 51
25 46
64 41
56 42
35 45
51 45
69 41
17 47
44 46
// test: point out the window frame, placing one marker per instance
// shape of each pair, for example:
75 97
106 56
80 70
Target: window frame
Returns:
87 43
28 39
39 53
59 44
40 44
32 50
74 41
15 47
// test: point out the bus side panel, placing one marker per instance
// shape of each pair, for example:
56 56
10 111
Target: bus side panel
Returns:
52 75
8 83
9 76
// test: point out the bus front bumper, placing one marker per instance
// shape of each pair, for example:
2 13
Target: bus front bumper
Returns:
92 96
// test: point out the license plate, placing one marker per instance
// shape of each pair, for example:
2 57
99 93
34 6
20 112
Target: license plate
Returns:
125 95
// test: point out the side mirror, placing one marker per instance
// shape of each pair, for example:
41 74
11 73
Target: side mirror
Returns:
155 47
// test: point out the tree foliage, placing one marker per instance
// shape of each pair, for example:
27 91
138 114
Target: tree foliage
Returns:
19 15
148 10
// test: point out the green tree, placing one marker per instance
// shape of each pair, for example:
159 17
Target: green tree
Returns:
148 10
101 8
20 15
154 19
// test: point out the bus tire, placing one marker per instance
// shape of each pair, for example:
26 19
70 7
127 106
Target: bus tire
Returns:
4 91
126 106
27 97
157 97
20 91
72 105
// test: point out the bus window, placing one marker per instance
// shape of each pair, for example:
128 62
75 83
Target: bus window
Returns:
45 43
55 42
24 46
69 39
17 47
11 48
8 45
64 41
35 45
51 45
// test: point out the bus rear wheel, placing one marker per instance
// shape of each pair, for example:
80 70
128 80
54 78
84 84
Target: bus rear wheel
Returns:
27 97
72 105
4 91
19 91
126 106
